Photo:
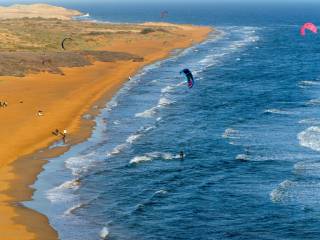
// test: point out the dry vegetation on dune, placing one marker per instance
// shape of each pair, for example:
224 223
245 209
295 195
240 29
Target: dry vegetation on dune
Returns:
37 10
34 44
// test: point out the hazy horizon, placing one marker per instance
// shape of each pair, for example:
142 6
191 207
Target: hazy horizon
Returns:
255 2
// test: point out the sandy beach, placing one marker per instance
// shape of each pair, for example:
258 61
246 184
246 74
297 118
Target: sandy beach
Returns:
63 97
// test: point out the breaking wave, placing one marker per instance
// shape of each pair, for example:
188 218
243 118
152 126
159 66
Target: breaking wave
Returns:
309 83
281 192
63 193
104 233
277 111
310 138
149 113
80 164
72 209
153 155
242 157
231 133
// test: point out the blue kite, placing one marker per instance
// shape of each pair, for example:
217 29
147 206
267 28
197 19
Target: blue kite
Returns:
189 77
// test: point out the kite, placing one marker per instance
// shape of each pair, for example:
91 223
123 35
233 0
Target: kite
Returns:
308 26
189 77
62 43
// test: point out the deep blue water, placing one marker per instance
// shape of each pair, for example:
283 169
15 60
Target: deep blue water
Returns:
250 129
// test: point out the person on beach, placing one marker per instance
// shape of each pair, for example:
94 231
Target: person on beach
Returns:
4 104
40 113
56 132
64 135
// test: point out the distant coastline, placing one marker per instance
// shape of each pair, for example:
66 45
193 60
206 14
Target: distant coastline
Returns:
39 10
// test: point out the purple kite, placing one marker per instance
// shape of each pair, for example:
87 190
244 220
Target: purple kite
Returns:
308 26
189 77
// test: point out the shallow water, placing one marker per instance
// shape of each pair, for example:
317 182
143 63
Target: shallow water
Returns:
249 129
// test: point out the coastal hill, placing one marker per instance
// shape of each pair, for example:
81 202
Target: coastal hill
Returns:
37 10
31 39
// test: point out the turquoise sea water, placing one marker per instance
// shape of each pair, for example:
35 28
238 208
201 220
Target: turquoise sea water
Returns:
250 129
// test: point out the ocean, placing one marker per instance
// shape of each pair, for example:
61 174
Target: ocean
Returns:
250 130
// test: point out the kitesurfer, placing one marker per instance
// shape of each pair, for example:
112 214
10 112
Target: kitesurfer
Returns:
64 135
181 155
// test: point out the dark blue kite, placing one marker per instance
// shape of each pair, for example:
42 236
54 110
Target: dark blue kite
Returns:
189 77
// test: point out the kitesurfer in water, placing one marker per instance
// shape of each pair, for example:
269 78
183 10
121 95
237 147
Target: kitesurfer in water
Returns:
181 155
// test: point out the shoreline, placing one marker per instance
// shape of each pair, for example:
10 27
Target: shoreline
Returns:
20 173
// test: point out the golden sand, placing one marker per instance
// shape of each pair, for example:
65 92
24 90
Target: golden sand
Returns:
37 10
63 101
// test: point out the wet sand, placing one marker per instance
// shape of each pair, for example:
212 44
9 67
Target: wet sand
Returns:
63 99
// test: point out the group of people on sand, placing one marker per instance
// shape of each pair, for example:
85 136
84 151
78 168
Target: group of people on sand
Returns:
57 132
3 104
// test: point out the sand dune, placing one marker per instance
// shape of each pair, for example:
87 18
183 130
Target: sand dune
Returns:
37 10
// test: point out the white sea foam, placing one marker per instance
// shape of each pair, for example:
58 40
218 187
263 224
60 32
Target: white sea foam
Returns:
111 105
311 121
163 101
309 83
310 138
87 116
70 211
62 192
162 192
281 192
247 36
231 133
104 233
57 195
153 155
167 89
132 138
149 113
138 159
242 157
80 164
277 111
147 129
117 150
307 167
314 101
84 16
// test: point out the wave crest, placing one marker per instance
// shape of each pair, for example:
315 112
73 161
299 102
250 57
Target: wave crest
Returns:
153 155
310 138
281 192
